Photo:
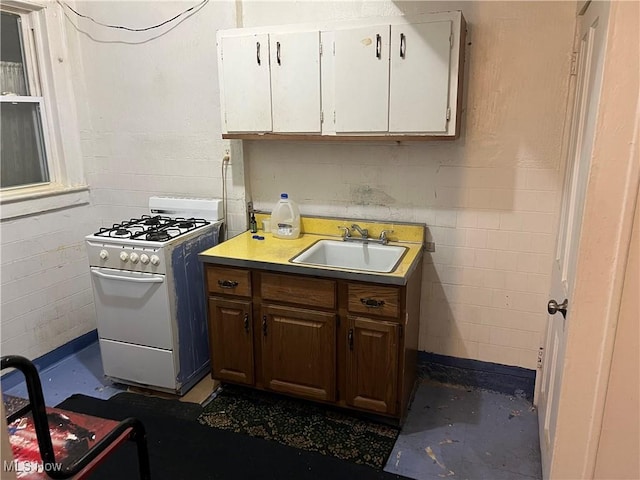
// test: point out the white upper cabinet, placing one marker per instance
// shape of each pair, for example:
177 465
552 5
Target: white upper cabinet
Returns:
362 79
419 85
384 77
245 86
295 82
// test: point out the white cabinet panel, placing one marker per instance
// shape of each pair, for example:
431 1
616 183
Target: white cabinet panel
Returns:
246 85
419 85
295 82
362 79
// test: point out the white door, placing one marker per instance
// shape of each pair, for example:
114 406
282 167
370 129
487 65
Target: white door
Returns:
362 79
246 83
590 47
419 85
295 82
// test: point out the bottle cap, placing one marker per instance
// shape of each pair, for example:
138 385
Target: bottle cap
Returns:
284 195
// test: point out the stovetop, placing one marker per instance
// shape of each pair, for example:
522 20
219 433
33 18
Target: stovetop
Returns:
152 228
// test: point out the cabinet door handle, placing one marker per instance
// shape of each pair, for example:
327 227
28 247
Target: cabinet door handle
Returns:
264 325
227 283
372 302
378 46
350 338
258 53
278 53
246 322
403 45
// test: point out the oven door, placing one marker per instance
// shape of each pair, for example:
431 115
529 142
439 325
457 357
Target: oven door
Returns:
132 307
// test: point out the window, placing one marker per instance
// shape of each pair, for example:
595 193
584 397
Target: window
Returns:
40 154
23 152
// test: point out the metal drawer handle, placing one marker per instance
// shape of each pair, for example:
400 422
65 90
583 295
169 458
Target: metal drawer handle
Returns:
278 53
258 53
350 339
227 283
264 325
128 279
378 46
403 45
372 302
246 322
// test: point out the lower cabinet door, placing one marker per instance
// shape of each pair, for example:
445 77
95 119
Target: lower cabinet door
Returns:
372 364
231 340
299 351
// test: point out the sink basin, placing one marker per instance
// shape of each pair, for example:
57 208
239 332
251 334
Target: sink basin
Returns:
366 257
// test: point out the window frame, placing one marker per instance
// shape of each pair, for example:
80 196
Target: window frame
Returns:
49 77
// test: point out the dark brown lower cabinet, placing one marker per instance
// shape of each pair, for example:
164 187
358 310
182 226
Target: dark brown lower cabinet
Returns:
342 342
231 340
299 351
372 365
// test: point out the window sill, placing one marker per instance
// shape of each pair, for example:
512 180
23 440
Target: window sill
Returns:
36 200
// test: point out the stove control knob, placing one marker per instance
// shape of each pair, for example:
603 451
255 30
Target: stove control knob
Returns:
124 256
144 258
155 260
134 257
104 255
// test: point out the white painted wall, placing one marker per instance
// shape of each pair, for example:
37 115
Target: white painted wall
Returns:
151 125
46 290
490 198
149 120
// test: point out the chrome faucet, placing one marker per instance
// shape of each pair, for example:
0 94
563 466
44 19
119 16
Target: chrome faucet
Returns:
364 233
347 233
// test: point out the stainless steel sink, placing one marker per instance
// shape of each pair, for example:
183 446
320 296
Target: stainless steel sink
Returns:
364 257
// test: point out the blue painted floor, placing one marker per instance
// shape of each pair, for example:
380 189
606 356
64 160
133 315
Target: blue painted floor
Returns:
78 373
451 431
463 433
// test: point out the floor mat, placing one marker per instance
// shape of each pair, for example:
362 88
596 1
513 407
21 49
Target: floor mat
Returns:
186 450
158 405
300 424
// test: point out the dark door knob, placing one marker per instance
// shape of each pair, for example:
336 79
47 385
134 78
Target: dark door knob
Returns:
554 307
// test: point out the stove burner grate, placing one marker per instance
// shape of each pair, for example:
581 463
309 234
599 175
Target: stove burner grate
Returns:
153 229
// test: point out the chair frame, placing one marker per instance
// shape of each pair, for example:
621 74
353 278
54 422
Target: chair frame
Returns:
38 410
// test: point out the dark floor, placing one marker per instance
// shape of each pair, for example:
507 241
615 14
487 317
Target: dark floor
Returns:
450 432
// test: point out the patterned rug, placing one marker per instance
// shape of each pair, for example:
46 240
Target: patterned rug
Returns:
300 424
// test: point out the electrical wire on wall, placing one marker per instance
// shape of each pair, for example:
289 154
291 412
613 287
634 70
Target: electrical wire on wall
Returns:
225 163
176 19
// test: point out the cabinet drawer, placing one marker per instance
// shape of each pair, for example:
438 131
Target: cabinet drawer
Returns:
300 290
229 281
374 300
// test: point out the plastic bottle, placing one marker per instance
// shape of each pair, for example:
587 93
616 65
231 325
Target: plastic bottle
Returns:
285 219
253 225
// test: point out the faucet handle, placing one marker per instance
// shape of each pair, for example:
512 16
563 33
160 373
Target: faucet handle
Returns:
383 236
347 233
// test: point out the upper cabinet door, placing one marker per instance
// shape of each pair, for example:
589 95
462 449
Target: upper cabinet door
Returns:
295 82
246 83
420 66
362 79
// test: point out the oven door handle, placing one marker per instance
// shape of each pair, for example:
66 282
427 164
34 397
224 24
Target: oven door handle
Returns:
128 279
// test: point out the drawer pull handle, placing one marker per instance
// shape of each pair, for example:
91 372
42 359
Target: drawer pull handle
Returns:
227 283
264 325
403 45
372 302
350 338
378 46
246 322
258 53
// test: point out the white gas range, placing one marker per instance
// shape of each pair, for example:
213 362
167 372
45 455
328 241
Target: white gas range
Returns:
149 293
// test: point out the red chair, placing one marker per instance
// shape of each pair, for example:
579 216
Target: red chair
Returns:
54 443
